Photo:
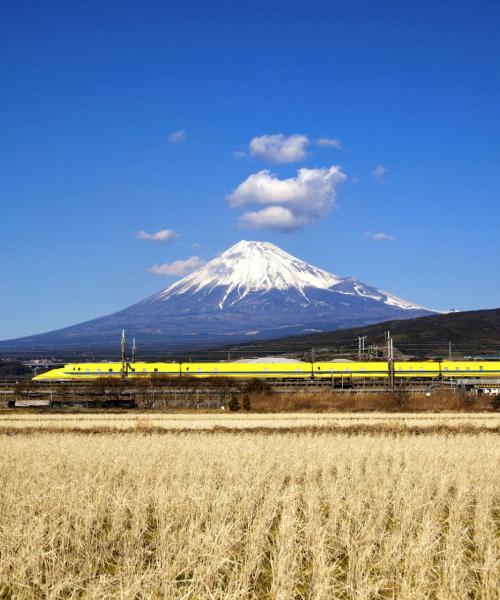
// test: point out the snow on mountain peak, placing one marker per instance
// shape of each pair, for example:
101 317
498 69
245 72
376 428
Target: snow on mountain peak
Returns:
250 266
253 266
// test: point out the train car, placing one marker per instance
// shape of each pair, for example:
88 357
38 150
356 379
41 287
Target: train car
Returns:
417 369
339 370
470 368
243 370
53 375
89 371
157 369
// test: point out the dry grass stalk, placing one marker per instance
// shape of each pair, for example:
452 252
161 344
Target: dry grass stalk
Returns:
145 427
314 515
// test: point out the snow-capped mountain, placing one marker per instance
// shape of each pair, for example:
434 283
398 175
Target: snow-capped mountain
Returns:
250 267
252 290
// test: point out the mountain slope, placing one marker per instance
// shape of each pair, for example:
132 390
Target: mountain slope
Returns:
252 290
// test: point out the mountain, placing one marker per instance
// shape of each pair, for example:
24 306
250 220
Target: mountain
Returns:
470 333
253 290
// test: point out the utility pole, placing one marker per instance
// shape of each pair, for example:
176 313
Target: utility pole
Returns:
123 352
449 351
134 350
390 358
361 346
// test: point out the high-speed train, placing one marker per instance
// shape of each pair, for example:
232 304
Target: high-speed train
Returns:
275 370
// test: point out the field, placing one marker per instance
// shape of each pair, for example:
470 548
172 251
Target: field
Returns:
213 421
281 506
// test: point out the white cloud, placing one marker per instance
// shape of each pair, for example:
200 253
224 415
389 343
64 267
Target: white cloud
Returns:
326 142
278 148
178 267
164 235
177 136
379 172
379 236
272 217
295 202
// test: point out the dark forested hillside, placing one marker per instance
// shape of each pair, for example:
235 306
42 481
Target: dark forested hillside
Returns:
470 333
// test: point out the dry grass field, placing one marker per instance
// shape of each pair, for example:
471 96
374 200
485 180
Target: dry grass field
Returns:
138 513
215 421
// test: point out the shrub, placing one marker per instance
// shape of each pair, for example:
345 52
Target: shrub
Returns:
234 403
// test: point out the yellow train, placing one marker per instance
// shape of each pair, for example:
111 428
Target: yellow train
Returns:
275 370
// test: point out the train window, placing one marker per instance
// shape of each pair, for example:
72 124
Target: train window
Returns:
155 370
98 370
79 369
480 367
187 368
468 368
200 371
319 368
457 368
144 370
110 370
446 368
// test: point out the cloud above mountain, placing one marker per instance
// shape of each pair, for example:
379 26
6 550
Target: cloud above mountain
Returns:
177 136
326 142
163 235
279 148
273 217
178 267
379 172
288 204
379 236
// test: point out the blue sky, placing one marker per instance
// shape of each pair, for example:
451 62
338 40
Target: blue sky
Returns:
91 94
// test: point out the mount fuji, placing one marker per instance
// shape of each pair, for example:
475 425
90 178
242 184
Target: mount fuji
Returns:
253 290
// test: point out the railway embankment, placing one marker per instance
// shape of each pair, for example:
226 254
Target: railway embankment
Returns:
234 395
